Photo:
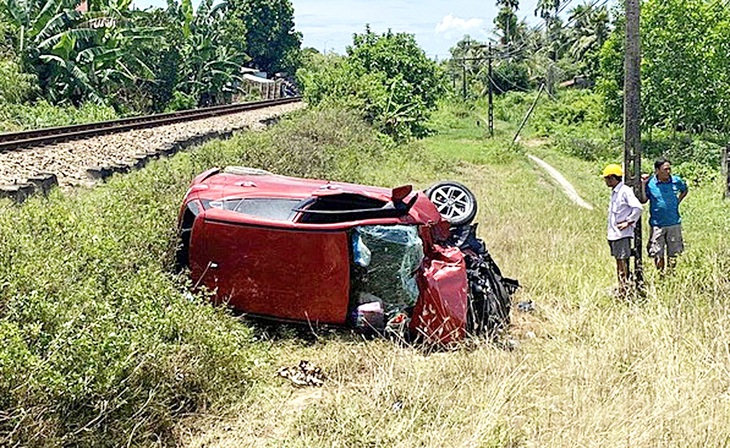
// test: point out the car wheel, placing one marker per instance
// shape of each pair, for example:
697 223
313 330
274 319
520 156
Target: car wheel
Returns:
456 203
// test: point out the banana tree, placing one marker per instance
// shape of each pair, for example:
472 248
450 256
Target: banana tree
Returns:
210 67
77 56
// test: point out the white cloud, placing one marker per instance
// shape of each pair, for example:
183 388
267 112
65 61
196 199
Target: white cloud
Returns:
451 23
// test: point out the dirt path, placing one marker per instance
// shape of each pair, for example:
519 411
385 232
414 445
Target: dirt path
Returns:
567 186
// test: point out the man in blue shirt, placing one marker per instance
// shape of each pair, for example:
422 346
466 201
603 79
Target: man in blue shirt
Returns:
664 193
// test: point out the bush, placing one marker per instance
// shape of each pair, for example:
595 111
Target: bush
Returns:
576 110
586 149
510 76
15 86
181 101
15 117
386 78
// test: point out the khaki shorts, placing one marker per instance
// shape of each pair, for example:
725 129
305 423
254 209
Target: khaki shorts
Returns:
620 249
665 240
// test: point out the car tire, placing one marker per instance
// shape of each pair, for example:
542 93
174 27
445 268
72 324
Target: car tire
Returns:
455 202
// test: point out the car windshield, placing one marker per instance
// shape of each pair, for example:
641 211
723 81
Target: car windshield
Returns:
387 260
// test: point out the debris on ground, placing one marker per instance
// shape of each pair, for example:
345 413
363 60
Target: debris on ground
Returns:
526 306
305 374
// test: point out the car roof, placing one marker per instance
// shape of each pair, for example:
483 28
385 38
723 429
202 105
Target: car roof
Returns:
247 183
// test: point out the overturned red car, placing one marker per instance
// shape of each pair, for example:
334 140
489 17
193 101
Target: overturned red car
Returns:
380 260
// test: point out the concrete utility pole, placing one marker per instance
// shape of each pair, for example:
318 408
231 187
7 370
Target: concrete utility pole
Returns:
463 77
632 122
491 95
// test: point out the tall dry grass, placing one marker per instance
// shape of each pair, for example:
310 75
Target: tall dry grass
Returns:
585 369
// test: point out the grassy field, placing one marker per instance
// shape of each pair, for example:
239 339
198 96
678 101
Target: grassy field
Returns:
587 370
100 347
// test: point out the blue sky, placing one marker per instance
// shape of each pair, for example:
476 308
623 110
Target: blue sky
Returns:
437 24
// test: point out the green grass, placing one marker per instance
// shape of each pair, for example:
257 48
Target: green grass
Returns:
100 346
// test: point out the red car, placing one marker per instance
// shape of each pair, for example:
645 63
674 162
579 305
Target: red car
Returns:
321 252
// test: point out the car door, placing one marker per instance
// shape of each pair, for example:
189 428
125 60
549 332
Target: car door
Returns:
283 273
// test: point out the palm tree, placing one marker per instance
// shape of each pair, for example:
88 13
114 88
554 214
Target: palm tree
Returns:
547 8
513 5
589 31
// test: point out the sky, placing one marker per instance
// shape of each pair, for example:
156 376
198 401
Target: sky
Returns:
437 24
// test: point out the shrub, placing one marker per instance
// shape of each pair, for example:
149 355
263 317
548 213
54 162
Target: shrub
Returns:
386 78
181 101
15 86
510 76
15 117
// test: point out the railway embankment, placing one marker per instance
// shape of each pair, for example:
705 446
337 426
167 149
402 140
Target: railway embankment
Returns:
82 163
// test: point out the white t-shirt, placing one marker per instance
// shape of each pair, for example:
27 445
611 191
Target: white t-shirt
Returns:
624 206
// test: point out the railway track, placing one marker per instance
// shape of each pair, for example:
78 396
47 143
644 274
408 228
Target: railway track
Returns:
80 156
24 139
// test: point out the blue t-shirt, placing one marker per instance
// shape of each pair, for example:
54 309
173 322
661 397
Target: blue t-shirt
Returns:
664 200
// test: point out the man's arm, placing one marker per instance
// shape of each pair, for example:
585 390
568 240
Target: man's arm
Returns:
683 189
635 205
681 196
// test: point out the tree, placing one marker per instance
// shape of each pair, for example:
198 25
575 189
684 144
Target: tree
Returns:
268 29
685 85
387 78
512 5
590 30
77 56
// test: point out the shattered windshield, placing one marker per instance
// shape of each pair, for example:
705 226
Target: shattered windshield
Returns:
387 260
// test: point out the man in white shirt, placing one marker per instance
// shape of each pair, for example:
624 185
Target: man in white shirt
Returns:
624 210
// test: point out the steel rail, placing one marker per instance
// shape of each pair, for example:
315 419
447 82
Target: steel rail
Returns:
16 140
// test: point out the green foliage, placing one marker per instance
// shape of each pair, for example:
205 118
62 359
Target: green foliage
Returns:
574 109
15 117
268 29
589 32
15 86
681 83
685 83
576 125
181 101
134 60
510 76
387 78
210 63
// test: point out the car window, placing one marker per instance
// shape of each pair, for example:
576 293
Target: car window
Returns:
276 209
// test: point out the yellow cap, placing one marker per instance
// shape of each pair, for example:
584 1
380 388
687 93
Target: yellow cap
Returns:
613 169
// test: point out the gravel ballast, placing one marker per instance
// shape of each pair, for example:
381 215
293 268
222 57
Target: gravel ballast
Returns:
74 163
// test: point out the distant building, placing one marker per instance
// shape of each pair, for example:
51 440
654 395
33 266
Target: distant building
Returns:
82 7
579 82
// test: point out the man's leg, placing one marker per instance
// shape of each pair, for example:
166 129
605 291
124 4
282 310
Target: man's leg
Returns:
622 270
671 263
675 245
621 251
657 247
